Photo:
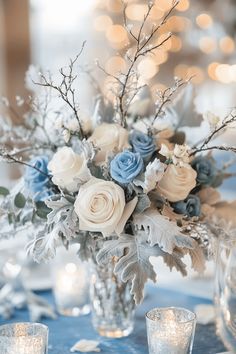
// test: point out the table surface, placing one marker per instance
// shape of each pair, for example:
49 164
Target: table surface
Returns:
65 331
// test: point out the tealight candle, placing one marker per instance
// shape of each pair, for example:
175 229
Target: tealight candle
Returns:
24 338
170 330
71 284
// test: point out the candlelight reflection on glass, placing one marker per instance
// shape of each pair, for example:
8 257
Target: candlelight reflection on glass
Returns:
71 283
24 338
170 330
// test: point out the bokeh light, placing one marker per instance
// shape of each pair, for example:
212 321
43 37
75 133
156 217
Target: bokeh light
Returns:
227 45
102 23
204 21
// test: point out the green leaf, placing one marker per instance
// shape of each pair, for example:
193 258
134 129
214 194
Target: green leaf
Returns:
19 200
42 210
4 191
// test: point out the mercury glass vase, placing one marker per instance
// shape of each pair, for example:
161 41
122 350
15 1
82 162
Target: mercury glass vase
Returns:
112 305
225 294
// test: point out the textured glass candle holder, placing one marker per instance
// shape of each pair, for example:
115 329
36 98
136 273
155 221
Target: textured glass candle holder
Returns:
170 330
71 280
24 338
225 292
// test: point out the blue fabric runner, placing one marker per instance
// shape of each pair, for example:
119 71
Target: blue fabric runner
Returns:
65 331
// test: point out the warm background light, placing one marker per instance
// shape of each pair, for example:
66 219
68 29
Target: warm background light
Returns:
147 68
115 64
204 21
102 23
207 44
227 45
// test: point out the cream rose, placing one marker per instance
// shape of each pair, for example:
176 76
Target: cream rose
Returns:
109 137
68 169
177 182
100 206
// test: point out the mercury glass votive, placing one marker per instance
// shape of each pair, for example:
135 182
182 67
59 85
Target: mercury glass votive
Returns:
71 280
24 338
170 330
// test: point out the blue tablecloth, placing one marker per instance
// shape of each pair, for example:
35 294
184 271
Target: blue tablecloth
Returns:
65 331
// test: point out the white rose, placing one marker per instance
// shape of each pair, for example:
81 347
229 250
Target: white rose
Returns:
177 182
108 138
68 169
100 206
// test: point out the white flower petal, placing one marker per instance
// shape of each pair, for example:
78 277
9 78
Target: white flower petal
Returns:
85 346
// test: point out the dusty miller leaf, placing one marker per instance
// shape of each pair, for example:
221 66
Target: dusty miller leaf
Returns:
174 260
43 247
63 216
161 231
143 203
134 264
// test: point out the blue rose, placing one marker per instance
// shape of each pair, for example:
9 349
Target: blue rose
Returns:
143 144
206 170
191 206
37 182
126 166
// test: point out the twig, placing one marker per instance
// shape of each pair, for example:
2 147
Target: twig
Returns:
65 88
231 118
10 158
142 48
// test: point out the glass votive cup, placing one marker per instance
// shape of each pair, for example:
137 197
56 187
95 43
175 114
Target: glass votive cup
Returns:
24 338
70 281
170 330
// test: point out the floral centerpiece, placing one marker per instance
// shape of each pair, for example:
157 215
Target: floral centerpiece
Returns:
126 184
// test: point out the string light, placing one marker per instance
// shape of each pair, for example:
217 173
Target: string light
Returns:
227 45
183 5
212 70
147 68
204 21
207 44
117 36
136 12
114 5
223 73
115 64
102 23
176 44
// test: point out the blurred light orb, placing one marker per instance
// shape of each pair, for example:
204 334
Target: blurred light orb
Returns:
233 72
223 73
147 68
164 5
136 12
114 5
176 44
196 73
117 36
204 21
227 45
183 5
156 13
181 70
212 70
115 64
178 23
207 44
102 23
160 56
167 44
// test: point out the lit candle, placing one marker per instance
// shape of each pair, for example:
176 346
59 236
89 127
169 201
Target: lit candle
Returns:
71 284
24 338
170 330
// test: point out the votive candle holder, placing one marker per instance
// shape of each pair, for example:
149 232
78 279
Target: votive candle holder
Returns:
24 338
170 330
